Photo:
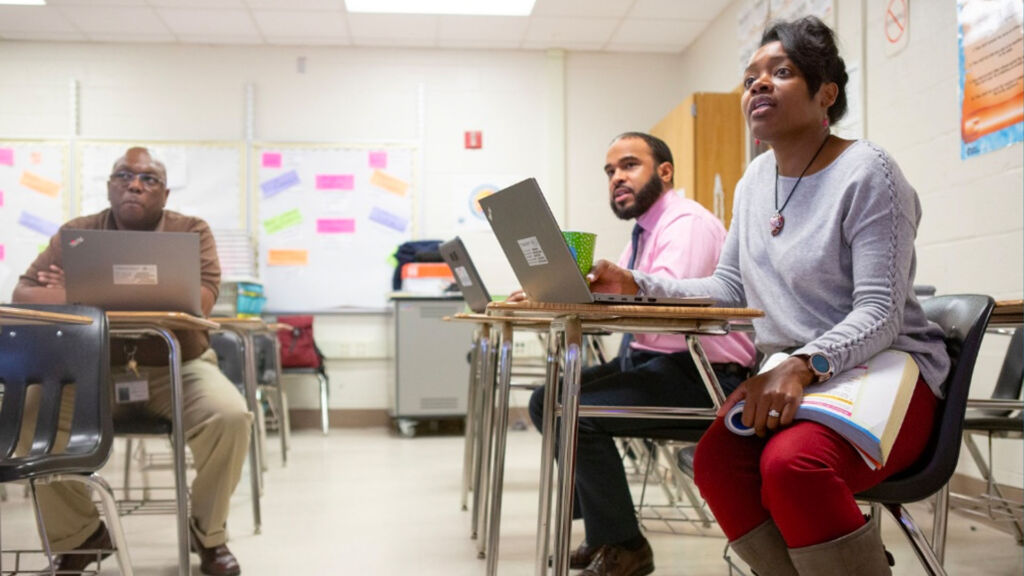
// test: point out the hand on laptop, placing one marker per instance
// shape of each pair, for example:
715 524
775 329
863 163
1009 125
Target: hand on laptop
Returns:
52 278
517 296
607 278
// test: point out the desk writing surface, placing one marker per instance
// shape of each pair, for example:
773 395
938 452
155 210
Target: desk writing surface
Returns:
248 324
624 310
1007 313
13 316
170 320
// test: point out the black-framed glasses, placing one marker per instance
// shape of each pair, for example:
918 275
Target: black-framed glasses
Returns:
125 177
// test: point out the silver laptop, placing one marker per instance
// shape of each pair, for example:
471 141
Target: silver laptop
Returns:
472 287
127 270
543 264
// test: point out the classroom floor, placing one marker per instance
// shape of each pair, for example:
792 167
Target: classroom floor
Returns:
368 502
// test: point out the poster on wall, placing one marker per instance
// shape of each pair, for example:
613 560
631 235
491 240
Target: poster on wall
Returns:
467 191
757 14
991 51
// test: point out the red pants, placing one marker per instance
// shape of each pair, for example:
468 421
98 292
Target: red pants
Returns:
803 477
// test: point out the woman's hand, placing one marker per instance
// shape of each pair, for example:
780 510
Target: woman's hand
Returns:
52 278
517 296
607 278
772 397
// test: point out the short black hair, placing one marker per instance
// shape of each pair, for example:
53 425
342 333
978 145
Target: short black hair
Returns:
659 150
811 45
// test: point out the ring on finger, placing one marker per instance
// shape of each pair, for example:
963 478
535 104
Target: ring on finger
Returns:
773 413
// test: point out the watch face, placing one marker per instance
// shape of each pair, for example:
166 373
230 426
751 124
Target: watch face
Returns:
820 364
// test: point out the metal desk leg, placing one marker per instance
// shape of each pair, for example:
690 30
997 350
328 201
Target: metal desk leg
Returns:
284 422
471 419
567 446
547 455
256 445
484 436
501 437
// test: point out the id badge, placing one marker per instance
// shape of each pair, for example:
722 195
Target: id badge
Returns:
130 387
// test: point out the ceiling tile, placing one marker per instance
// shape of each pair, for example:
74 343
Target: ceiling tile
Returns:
28 19
241 39
582 8
644 48
335 5
111 19
481 28
308 40
569 32
700 10
196 3
478 44
677 32
96 3
394 42
166 38
44 36
209 23
404 28
297 24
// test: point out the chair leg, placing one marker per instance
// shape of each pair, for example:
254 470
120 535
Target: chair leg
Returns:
324 392
127 468
101 488
41 523
927 556
993 487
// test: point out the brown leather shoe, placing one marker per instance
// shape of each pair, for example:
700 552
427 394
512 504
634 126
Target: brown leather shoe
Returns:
215 561
618 561
580 557
95 547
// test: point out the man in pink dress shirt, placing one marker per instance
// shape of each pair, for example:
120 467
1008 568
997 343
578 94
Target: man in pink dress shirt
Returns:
675 237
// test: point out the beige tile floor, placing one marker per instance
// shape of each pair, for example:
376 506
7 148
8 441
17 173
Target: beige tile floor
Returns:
366 502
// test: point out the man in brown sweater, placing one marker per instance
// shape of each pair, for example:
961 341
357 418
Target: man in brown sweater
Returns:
217 422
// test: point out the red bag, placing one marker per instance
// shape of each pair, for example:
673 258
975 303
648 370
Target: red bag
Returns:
298 350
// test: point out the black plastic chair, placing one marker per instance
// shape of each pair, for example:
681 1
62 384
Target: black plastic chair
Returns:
963 319
56 359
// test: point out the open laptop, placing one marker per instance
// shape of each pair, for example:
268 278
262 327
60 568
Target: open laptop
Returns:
533 243
473 290
127 270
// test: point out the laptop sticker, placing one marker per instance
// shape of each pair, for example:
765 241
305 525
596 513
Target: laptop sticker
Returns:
532 251
464 280
135 274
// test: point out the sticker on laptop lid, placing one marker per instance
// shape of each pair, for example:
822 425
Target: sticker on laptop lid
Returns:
532 251
464 280
135 274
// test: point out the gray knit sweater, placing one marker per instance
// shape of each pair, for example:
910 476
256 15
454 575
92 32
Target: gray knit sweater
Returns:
838 278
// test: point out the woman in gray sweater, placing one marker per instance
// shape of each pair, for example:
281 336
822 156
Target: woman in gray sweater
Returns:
822 240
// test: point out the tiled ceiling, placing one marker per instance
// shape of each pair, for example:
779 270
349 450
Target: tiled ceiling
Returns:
665 26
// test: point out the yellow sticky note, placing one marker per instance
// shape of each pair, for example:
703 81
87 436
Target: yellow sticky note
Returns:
39 184
287 257
388 182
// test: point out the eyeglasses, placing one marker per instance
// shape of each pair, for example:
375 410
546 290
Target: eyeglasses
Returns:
124 178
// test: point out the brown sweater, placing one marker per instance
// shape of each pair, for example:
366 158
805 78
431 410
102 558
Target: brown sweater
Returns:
152 351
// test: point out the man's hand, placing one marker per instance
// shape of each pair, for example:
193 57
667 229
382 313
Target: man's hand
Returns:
607 278
52 278
772 397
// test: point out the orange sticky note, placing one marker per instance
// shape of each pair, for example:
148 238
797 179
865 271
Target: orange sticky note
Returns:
287 257
388 182
39 184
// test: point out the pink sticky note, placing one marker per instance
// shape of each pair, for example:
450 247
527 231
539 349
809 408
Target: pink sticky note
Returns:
335 182
379 160
336 226
1 197
271 159
7 156
1 251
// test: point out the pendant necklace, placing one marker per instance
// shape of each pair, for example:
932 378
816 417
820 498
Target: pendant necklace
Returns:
777 222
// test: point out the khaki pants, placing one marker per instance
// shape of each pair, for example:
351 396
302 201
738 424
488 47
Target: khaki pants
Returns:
217 429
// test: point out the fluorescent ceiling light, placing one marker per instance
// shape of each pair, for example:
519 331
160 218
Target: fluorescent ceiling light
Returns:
23 2
464 7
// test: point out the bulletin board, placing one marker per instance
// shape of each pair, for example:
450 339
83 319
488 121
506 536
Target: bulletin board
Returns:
204 179
33 204
329 219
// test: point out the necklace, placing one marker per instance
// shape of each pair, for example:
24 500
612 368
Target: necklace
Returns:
777 222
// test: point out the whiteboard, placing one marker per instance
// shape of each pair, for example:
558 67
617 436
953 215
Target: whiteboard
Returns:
33 204
204 179
329 218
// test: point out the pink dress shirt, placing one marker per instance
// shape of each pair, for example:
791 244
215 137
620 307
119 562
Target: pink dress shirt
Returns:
682 239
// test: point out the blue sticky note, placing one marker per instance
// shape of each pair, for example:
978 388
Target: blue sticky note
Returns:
385 218
41 225
279 184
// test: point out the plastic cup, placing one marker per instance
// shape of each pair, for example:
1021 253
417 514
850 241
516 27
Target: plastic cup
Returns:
581 244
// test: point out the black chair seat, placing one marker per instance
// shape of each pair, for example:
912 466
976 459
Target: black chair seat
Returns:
142 425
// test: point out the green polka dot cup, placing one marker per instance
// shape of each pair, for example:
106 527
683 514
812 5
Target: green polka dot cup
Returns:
581 244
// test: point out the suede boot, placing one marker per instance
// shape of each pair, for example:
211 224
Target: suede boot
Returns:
764 550
859 553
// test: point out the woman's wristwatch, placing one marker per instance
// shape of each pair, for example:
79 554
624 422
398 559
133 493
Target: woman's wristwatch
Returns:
820 367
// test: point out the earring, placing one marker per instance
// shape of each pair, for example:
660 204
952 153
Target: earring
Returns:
757 141
824 122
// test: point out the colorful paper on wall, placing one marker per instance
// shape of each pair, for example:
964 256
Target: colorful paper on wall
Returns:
336 226
39 184
379 160
271 159
1 252
36 157
388 219
335 181
41 225
287 257
1 198
7 156
280 183
283 221
388 182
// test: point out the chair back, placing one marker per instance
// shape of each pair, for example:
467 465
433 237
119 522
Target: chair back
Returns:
1011 375
266 364
963 319
53 358
230 357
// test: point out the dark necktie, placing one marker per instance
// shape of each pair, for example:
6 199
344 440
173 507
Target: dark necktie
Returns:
625 362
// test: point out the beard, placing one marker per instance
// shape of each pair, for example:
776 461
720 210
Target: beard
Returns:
643 199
